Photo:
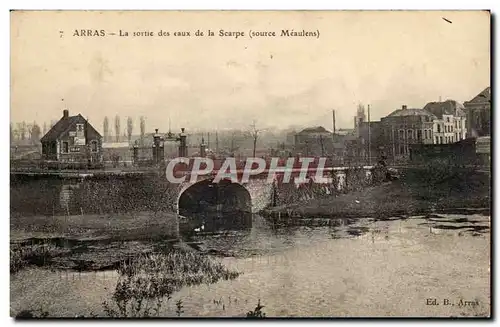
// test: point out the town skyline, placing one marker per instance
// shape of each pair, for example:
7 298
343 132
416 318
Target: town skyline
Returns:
376 58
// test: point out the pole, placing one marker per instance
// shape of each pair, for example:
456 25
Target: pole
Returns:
369 139
208 140
333 116
333 136
216 143
393 145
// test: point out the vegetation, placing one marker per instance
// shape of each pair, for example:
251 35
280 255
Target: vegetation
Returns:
147 281
257 312
32 314
420 190
34 254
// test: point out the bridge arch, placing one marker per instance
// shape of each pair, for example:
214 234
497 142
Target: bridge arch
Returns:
205 196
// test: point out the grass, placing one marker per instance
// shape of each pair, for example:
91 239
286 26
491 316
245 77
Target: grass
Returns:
419 191
34 254
147 281
257 312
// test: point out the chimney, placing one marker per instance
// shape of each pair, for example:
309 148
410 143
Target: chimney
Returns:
65 113
404 106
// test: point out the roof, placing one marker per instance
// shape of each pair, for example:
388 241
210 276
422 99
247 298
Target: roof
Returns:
410 112
317 129
448 107
63 125
484 96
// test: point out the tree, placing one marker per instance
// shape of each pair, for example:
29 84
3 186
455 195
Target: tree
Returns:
35 133
11 133
143 127
105 128
254 133
29 128
117 128
21 127
130 128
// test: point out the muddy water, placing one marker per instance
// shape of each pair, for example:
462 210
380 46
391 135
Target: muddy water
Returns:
366 268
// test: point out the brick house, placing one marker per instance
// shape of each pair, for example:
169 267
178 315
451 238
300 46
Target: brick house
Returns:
72 140
479 114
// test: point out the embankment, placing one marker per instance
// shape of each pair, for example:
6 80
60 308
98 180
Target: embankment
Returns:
419 191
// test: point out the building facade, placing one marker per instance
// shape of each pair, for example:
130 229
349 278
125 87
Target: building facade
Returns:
72 140
404 127
478 112
437 123
450 123
314 141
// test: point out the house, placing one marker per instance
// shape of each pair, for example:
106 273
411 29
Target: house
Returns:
72 140
450 125
479 114
313 141
404 127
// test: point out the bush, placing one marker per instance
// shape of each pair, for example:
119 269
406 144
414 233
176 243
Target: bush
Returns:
145 282
34 254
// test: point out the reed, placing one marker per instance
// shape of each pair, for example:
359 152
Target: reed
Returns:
145 282
40 255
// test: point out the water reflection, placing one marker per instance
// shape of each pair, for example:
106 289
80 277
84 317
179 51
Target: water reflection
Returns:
214 223
363 267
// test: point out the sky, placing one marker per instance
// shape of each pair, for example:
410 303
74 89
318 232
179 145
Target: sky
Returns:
385 59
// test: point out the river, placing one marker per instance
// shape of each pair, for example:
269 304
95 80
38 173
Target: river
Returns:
361 268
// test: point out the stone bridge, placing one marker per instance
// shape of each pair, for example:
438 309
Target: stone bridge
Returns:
259 191
99 192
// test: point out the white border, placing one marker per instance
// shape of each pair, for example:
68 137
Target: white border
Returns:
214 4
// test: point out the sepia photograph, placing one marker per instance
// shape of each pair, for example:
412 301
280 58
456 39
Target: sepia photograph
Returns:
250 164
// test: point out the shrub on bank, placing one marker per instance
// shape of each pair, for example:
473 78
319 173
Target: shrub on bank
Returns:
34 254
146 281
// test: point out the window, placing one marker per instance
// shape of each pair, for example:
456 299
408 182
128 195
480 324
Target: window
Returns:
425 134
437 140
419 134
93 146
79 127
401 134
65 147
410 134
441 139
439 128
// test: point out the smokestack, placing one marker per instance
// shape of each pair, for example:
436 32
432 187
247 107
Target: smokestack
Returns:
65 113
404 107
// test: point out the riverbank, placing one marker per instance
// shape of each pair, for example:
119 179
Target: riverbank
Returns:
88 242
416 193
119 226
